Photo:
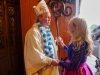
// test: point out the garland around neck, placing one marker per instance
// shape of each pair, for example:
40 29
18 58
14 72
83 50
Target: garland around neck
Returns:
47 40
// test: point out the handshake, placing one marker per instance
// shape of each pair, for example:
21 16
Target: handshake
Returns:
55 62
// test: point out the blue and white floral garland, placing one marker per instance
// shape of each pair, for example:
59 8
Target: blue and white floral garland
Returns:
47 40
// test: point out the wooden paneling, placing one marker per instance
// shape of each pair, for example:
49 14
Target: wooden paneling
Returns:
28 17
11 52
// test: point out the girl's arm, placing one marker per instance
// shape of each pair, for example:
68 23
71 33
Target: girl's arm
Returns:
77 57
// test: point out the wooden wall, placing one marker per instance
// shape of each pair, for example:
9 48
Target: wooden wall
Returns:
28 17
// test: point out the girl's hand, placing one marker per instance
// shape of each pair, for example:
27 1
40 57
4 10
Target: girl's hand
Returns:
60 41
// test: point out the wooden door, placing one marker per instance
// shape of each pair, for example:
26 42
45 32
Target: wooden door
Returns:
11 53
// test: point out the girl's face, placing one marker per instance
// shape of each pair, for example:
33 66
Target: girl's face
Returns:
45 19
71 29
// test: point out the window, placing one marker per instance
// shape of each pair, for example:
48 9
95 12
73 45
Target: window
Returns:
89 9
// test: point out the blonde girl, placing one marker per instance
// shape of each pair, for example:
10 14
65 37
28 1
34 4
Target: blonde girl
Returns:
79 48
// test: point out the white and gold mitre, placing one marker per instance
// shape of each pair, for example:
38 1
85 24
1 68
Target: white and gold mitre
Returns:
41 8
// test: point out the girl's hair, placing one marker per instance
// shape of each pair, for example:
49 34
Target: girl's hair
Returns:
81 35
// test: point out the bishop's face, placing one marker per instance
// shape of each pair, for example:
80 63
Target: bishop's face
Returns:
45 19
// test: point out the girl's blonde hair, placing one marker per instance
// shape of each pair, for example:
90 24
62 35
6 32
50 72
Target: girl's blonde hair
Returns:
81 34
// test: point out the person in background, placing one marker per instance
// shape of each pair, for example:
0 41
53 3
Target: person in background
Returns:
40 49
79 48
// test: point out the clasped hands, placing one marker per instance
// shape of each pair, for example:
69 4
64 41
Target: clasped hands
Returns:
59 41
55 62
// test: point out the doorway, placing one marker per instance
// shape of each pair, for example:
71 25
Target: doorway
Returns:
11 52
